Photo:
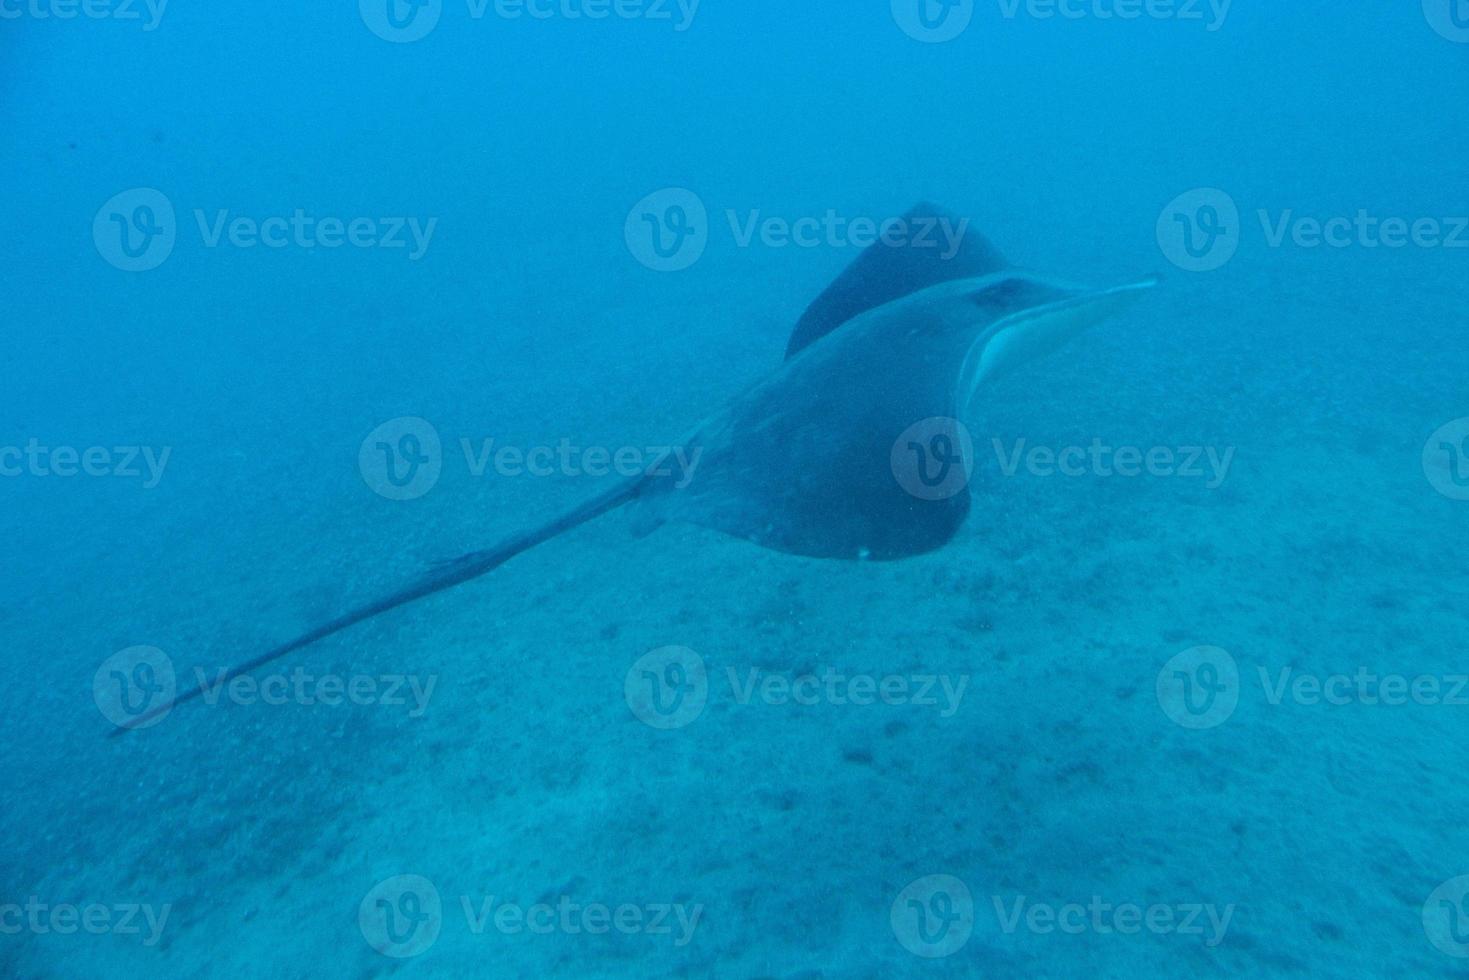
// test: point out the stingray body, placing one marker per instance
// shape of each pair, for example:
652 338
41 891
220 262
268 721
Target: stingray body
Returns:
804 461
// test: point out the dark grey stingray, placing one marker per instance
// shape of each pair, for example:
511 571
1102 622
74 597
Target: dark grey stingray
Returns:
805 461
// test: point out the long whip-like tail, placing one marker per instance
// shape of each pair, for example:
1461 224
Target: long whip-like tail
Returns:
443 576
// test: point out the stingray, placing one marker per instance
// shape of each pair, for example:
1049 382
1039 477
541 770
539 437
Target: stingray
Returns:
842 452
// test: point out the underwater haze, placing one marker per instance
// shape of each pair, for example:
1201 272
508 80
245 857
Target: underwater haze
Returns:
303 302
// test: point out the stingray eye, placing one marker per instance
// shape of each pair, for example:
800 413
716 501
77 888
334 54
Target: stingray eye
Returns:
1005 293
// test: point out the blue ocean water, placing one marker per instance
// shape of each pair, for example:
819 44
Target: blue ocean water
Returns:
301 300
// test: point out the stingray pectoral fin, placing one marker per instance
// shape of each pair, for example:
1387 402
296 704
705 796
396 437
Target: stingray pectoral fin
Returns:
1034 332
443 575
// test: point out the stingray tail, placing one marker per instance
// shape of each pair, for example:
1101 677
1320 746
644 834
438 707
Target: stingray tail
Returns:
445 575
